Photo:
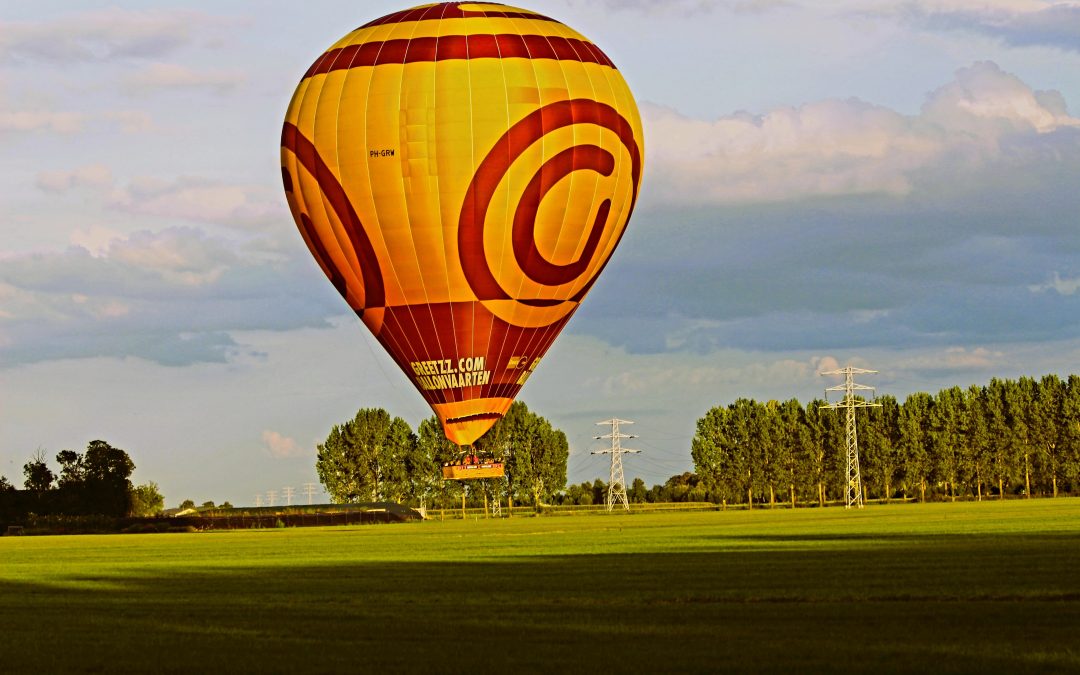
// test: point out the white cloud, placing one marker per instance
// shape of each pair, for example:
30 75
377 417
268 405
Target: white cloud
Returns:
954 359
282 447
131 121
1058 284
166 76
1020 23
103 35
41 120
96 239
90 176
845 147
177 255
201 200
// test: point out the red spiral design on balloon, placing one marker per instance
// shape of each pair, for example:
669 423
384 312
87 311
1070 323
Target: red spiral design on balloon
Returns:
495 166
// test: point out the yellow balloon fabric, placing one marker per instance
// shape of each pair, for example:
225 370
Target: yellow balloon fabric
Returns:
462 173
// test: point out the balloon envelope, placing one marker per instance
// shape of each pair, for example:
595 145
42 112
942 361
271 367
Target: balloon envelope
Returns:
462 173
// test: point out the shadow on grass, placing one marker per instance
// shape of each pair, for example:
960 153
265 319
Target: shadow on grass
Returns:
964 607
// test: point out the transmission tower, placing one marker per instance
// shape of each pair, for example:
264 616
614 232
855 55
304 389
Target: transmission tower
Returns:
288 493
617 484
849 402
258 500
271 496
309 490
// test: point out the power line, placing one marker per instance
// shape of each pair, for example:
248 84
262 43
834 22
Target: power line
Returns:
288 494
617 484
309 490
849 402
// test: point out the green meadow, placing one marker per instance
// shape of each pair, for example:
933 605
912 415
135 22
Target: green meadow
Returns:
943 588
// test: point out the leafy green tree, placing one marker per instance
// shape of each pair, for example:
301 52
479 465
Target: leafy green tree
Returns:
6 486
915 441
1070 437
95 482
976 458
879 445
364 458
146 500
1020 398
710 452
795 445
38 477
1048 428
825 447
433 450
1002 450
638 491
186 504
537 453
947 433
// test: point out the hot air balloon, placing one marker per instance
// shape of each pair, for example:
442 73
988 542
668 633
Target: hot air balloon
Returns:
462 173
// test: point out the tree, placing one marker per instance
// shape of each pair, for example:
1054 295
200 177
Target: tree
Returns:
977 455
433 450
364 459
37 474
794 439
915 441
95 482
146 500
638 491
536 453
947 433
1002 455
6 486
207 505
879 444
187 504
1048 428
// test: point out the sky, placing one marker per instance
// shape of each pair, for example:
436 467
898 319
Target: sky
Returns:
887 184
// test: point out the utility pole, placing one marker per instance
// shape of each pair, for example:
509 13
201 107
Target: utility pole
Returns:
309 490
258 500
288 493
849 402
271 496
617 484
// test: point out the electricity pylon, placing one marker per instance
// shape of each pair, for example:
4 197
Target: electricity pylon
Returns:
617 484
854 480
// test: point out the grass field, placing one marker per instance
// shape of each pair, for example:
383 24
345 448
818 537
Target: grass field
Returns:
967 587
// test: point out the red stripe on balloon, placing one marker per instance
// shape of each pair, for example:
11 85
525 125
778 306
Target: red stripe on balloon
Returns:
449 10
493 168
528 256
456 47
308 156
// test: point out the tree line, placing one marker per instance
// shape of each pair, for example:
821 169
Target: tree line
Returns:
96 482
1009 437
374 457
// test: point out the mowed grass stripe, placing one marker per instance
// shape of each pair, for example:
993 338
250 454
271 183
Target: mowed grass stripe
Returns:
906 588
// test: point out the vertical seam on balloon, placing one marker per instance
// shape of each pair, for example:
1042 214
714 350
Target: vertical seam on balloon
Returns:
438 194
596 188
387 316
500 356
352 244
546 334
339 237
515 22
614 218
405 200
472 155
